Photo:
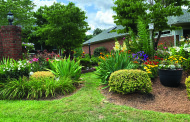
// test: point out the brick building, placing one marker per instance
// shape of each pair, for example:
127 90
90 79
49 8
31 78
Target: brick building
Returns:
107 37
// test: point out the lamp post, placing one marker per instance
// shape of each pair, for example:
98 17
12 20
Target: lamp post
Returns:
10 17
89 49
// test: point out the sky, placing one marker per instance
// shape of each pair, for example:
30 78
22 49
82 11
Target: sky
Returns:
99 12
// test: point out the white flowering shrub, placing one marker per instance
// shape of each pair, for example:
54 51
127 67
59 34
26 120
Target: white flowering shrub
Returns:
10 68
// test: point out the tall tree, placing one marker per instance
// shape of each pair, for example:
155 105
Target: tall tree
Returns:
97 31
155 11
65 27
21 9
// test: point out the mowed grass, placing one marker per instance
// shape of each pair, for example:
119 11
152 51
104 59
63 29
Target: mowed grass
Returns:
85 105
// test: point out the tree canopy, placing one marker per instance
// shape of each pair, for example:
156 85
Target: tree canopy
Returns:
97 31
21 9
63 25
154 11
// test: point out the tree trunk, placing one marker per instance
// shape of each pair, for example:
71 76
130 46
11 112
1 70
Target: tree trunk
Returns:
157 40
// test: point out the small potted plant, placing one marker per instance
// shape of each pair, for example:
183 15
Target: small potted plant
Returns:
170 71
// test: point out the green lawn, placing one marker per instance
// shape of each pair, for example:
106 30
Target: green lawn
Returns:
85 105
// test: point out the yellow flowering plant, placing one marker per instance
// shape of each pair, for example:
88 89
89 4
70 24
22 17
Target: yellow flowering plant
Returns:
118 59
172 62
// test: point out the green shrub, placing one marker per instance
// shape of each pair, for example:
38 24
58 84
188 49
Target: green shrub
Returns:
66 68
187 83
94 60
35 88
129 81
85 62
98 50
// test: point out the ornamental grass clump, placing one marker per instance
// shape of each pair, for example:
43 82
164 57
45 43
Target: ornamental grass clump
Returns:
130 81
35 88
119 59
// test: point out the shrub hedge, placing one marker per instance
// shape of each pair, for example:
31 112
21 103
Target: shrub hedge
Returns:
187 83
129 81
98 50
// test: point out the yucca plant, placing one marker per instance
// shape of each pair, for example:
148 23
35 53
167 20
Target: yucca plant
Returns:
66 68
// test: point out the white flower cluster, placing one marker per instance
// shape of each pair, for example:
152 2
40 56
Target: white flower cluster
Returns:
14 66
171 66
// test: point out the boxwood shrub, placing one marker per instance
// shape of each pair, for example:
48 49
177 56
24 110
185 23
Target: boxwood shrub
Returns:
187 83
129 81
98 50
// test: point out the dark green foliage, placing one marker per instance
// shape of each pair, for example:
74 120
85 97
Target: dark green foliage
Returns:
127 12
66 68
99 50
66 31
144 38
21 10
129 81
35 88
187 83
112 63
85 62
97 31
94 60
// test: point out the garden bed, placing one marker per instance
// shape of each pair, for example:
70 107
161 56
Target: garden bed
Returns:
89 70
162 99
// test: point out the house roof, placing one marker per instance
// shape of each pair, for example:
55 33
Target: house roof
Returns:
185 18
106 35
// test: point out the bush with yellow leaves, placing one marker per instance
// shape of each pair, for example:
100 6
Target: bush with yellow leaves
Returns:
129 81
42 74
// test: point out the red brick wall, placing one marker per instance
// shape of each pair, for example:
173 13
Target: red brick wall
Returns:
11 42
107 44
168 40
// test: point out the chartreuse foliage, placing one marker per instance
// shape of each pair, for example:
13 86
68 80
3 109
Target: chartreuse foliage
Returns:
86 105
43 74
129 81
187 83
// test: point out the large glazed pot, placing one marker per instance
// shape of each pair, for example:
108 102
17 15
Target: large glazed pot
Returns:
171 78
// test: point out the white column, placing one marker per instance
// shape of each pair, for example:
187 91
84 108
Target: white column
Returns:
174 38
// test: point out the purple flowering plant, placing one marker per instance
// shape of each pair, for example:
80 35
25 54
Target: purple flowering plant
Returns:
140 56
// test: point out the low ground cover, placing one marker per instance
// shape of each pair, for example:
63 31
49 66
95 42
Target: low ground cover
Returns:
87 104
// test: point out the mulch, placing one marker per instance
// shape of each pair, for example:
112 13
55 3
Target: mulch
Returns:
162 99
